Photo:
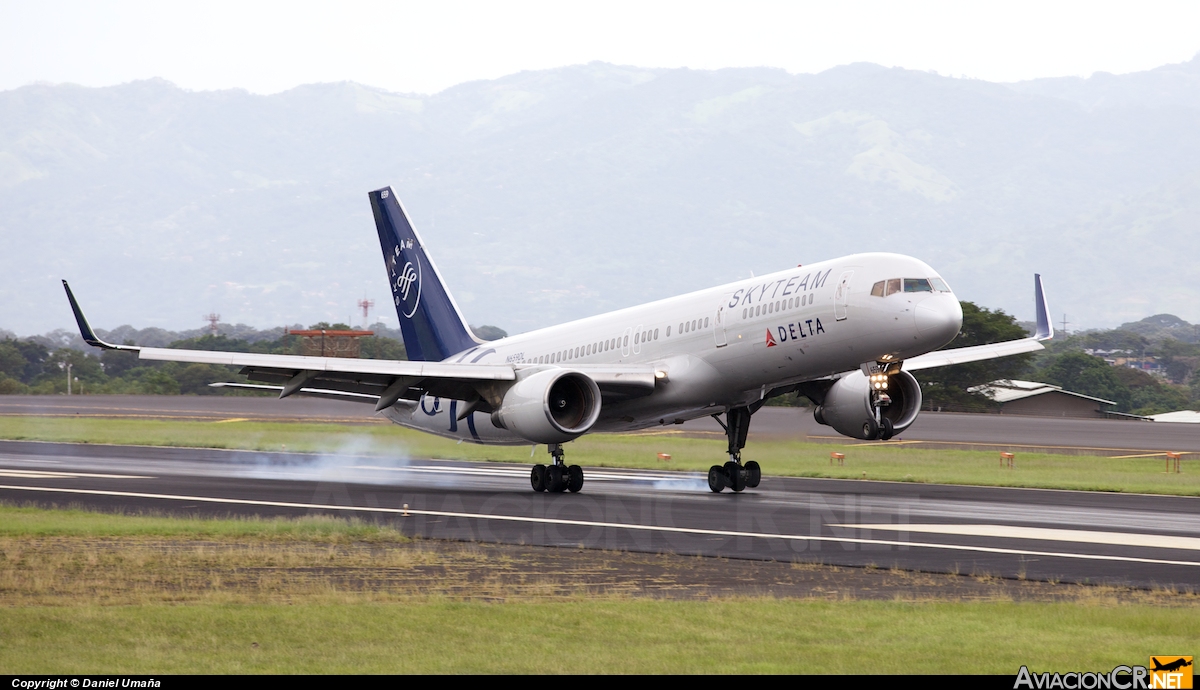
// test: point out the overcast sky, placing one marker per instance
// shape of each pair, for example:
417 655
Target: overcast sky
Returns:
425 47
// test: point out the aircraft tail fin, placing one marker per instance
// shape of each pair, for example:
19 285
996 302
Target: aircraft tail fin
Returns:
430 321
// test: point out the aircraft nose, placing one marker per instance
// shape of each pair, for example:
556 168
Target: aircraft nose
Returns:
939 318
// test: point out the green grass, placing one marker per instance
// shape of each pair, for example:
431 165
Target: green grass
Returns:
789 458
269 621
581 636
37 522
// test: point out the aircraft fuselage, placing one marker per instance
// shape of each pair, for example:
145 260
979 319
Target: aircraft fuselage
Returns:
726 346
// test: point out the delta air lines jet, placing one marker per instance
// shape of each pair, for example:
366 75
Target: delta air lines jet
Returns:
846 333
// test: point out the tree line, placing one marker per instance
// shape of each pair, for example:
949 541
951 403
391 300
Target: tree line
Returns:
37 366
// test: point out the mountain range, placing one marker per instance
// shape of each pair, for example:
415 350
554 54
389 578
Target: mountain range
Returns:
557 194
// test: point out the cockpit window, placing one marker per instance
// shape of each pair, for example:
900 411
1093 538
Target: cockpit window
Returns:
894 285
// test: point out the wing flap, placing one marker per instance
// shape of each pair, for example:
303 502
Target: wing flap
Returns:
303 392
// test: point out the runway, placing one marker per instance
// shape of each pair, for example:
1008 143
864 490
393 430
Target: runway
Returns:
1119 539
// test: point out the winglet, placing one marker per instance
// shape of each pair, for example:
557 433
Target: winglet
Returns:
89 336
1045 330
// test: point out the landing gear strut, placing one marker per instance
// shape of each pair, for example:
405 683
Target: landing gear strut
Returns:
734 474
557 477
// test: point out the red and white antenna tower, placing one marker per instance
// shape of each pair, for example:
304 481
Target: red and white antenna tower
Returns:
213 319
366 305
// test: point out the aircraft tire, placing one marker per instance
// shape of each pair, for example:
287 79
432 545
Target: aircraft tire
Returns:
716 479
753 474
574 478
537 478
737 480
554 479
886 430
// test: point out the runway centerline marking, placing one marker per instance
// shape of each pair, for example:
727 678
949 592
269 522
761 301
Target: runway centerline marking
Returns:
43 474
613 525
1078 536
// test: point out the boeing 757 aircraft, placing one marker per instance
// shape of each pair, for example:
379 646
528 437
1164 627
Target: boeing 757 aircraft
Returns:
846 333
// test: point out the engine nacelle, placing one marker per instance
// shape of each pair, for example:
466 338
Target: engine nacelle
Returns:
848 409
550 406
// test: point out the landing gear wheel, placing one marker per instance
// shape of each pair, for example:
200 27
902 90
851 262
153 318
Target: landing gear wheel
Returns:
574 478
554 479
716 479
537 478
737 480
753 474
886 430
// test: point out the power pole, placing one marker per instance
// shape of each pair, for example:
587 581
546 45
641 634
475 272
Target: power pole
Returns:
366 305
213 319
1064 328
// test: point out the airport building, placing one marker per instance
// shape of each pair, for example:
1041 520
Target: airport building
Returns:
1044 400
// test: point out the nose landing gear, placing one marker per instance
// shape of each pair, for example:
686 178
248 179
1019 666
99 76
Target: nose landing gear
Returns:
557 477
734 474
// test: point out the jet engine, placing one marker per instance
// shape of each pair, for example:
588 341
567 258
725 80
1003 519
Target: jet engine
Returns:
550 406
851 403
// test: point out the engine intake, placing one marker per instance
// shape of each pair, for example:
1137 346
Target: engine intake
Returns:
550 406
848 406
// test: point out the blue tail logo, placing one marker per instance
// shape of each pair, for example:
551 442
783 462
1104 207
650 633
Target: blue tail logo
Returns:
432 325
403 281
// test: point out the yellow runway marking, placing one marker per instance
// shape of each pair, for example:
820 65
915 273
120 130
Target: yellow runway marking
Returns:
997 444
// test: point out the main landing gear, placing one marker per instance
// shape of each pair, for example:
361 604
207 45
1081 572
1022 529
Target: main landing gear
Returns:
734 474
558 477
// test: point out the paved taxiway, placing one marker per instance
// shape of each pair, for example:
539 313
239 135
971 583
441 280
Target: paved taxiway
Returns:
937 430
1053 535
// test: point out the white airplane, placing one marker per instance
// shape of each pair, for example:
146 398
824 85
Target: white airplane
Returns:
846 333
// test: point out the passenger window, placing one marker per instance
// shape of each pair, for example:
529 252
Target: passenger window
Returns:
877 289
917 285
656 334
705 322
893 286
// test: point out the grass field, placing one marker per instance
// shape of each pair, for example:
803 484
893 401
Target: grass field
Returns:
93 593
877 461
736 636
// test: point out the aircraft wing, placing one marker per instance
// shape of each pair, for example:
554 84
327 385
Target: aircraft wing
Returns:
382 381
961 355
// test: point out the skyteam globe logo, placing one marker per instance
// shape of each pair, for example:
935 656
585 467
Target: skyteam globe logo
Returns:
406 280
